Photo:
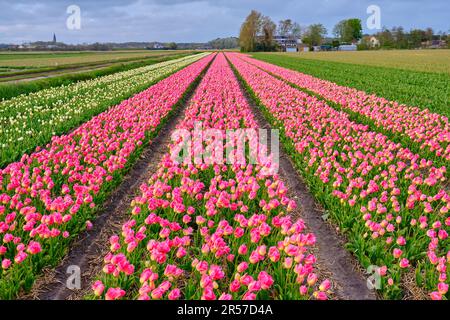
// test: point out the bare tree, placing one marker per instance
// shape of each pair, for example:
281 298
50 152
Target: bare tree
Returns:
249 31
268 29
315 34
285 27
296 31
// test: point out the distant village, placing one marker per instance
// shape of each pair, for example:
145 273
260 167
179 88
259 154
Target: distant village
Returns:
54 45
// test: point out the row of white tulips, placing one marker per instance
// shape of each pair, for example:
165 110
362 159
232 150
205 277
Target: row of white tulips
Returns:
31 120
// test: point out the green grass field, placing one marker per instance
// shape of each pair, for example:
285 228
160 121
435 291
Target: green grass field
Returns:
50 59
379 76
417 60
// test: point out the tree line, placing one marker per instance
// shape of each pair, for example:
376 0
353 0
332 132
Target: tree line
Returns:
258 32
398 38
224 43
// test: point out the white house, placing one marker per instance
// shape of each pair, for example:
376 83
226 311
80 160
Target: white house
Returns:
374 42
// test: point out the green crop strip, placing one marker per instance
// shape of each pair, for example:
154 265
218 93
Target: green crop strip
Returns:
358 118
11 90
414 88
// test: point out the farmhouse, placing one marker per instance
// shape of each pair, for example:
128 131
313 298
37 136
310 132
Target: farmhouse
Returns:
374 42
287 44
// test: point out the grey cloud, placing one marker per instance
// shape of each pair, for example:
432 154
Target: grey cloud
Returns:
194 20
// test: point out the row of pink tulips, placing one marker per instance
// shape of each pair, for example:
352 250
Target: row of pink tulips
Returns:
212 231
430 131
48 196
390 202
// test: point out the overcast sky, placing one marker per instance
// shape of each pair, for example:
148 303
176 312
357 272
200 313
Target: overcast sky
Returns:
196 20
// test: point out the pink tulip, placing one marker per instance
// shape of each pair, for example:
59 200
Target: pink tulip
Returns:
401 241
174 294
235 285
254 286
20 257
312 279
242 249
242 267
157 293
34 247
288 263
325 285
404 263
208 294
443 288
249 296
98 288
89 225
319 295
114 294
226 296
436 296
397 253
265 280
6 263
303 290
382 271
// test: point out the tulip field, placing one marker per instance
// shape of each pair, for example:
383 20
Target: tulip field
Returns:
50 194
391 203
208 230
244 244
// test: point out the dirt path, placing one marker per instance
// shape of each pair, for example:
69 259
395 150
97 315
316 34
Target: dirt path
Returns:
63 71
334 261
55 73
52 74
92 246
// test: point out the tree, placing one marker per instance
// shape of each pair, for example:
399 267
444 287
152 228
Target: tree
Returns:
354 29
224 43
339 30
249 30
401 42
416 36
268 29
315 34
386 38
285 27
172 46
349 30
335 43
296 31
429 34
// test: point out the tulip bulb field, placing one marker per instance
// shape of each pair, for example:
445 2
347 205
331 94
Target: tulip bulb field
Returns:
219 226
